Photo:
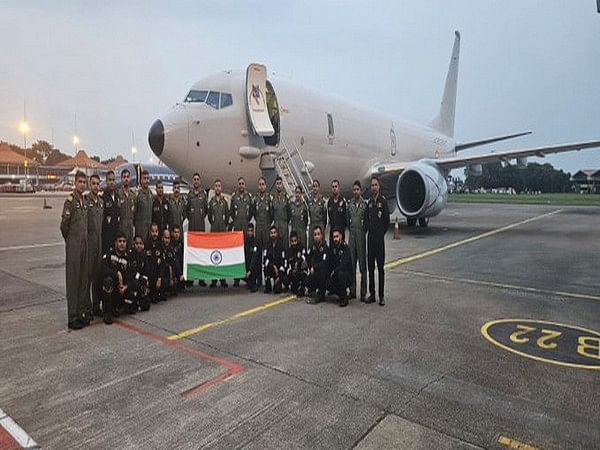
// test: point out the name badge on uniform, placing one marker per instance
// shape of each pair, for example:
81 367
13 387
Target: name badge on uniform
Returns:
108 219
379 214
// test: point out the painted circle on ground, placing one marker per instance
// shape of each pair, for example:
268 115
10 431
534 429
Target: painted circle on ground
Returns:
549 342
216 257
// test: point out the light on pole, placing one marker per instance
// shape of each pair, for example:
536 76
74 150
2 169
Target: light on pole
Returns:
133 152
76 142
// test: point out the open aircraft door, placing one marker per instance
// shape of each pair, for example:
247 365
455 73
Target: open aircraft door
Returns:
256 100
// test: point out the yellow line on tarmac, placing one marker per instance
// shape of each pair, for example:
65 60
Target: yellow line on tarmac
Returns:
241 315
435 251
503 285
513 444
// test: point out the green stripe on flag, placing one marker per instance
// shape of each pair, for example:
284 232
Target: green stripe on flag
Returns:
199 272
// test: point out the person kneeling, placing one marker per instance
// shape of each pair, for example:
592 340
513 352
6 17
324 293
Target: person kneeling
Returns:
173 271
297 266
113 275
274 263
137 294
318 267
341 268
156 265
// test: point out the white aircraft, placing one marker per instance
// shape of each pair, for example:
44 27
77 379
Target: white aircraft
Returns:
236 124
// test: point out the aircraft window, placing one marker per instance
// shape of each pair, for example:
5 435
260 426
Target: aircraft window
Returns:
213 99
226 100
196 96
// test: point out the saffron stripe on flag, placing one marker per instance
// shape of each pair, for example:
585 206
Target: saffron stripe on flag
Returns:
221 241
199 272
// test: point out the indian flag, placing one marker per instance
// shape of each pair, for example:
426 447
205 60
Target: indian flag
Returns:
213 256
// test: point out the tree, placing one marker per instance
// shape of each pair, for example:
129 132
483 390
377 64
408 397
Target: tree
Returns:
96 158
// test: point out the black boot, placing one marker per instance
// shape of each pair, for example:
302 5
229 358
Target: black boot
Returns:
268 288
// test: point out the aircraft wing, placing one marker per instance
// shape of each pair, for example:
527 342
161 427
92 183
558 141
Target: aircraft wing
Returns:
454 162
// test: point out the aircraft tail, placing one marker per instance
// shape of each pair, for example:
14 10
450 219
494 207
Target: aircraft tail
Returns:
444 121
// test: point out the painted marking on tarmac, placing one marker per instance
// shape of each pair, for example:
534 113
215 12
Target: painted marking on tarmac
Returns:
25 247
435 251
241 315
533 290
513 444
12 435
232 369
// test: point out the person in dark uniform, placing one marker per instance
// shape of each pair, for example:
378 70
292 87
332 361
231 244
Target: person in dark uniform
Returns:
318 267
95 214
274 263
341 267
177 243
73 227
173 275
240 211
126 207
297 265
138 278
218 216
378 222
357 210
114 277
299 215
176 206
112 212
160 208
156 265
143 206
281 211
317 211
252 256
337 210
196 210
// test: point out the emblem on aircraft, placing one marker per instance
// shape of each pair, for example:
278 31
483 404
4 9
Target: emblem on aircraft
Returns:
256 94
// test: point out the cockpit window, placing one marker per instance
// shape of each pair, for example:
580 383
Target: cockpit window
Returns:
213 99
196 96
226 100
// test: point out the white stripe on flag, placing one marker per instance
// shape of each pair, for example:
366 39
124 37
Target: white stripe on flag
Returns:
207 257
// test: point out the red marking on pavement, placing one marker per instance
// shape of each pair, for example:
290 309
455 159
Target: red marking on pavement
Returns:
7 442
232 369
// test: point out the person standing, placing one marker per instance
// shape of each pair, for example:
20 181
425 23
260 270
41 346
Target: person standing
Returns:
299 215
252 256
73 227
143 206
195 210
176 206
240 211
126 207
263 213
317 211
160 208
218 216
112 212
281 212
357 209
337 210
95 207
155 258
378 222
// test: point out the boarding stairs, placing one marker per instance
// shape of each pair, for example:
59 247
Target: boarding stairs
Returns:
292 169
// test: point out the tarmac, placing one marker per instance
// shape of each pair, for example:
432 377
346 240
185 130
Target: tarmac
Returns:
228 369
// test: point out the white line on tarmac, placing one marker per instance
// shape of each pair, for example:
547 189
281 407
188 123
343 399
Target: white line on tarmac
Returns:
25 247
17 433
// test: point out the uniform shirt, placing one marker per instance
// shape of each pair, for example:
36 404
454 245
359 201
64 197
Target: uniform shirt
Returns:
138 264
263 208
161 212
126 208
171 260
241 209
377 217
337 211
143 207
319 257
340 259
218 213
317 211
177 208
112 217
178 247
196 209
299 216
356 215
95 214
74 220
296 259
114 262
252 254
274 255
281 208
155 258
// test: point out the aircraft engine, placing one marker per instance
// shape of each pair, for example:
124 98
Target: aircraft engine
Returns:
421 190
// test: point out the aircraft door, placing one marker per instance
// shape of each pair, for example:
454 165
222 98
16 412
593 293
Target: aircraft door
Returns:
256 100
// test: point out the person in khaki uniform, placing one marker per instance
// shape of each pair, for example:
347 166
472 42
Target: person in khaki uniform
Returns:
263 213
299 215
177 206
281 212
95 207
143 206
126 208
218 216
196 205
357 208
240 211
73 227
317 211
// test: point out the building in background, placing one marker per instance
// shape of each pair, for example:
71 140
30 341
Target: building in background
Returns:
587 180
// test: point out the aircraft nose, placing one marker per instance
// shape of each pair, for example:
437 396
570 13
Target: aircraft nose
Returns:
156 137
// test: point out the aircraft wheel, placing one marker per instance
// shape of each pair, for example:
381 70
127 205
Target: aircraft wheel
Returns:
411 221
423 222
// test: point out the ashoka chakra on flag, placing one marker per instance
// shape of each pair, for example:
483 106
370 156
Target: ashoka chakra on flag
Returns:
213 256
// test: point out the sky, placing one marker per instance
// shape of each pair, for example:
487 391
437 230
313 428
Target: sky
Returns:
118 65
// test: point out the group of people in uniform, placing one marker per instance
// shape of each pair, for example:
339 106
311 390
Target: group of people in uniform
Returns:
124 249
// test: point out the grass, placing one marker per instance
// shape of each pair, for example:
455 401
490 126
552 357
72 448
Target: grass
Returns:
527 199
